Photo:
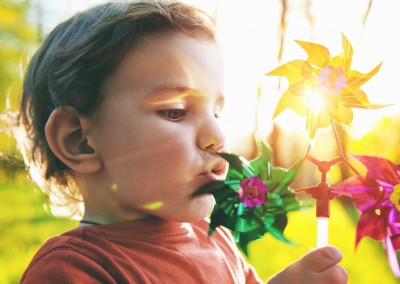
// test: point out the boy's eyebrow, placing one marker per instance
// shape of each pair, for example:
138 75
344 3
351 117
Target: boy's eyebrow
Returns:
163 91
168 94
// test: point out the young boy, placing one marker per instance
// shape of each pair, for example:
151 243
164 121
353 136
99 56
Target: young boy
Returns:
121 106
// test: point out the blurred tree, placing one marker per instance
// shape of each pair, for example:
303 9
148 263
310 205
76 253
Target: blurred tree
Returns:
18 38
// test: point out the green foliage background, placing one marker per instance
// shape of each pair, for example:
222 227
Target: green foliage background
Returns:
18 39
25 223
24 226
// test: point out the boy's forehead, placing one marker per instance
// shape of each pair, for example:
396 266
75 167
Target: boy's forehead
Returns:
170 63
174 46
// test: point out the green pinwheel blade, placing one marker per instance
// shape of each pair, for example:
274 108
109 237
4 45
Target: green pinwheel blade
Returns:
220 218
281 179
224 196
238 164
290 202
234 161
246 238
258 165
262 164
278 234
277 228
221 190
232 183
212 188
266 152
245 225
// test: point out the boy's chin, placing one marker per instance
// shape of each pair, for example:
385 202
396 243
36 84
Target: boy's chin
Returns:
206 207
200 209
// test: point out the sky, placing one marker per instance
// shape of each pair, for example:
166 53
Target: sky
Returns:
249 35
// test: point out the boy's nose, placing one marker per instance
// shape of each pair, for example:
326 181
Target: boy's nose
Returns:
211 136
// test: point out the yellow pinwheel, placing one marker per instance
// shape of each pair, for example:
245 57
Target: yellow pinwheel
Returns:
323 88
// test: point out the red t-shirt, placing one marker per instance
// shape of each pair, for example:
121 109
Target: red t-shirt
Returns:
144 251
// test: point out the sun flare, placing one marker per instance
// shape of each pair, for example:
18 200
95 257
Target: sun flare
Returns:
314 100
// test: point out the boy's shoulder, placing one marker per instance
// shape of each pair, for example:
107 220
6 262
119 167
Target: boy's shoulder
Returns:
61 257
66 242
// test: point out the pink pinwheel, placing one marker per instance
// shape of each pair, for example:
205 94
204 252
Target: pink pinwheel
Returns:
377 197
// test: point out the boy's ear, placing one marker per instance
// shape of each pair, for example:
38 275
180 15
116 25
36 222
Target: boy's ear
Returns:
66 133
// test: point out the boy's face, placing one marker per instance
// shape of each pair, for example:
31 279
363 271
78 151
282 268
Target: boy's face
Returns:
157 130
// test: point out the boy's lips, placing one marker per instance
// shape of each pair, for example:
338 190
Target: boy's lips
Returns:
213 174
216 172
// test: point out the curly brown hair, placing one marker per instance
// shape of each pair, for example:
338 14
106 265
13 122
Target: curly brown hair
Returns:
71 66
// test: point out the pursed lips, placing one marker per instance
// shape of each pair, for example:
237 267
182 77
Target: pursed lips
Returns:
216 172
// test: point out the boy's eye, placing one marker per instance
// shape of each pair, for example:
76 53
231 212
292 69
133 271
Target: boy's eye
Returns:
173 114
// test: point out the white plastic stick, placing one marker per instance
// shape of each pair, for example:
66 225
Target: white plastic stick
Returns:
322 232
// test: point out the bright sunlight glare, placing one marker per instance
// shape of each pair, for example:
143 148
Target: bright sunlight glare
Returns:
314 100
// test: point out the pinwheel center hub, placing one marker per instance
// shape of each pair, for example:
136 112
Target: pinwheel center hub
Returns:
332 80
253 191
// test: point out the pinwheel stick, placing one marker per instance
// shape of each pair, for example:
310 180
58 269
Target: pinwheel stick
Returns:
322 232
322 192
